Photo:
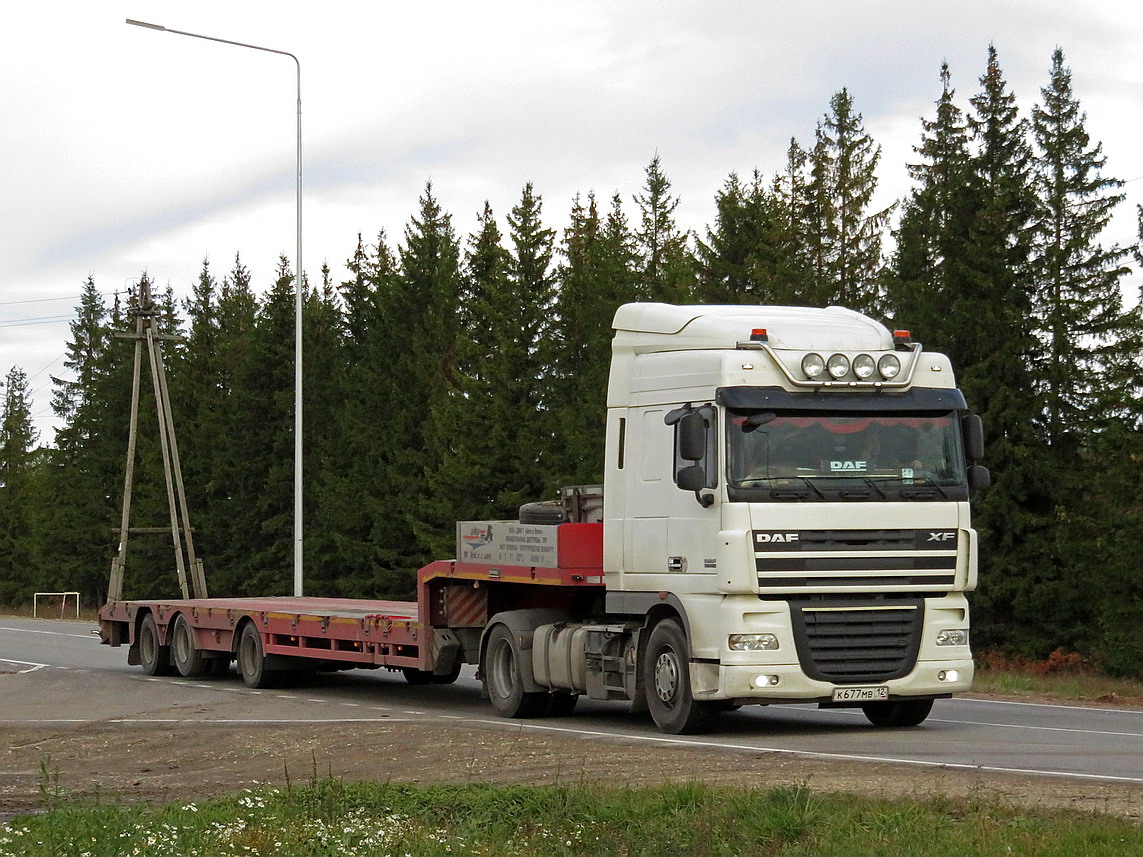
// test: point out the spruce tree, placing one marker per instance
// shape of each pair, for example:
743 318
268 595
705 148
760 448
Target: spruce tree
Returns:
363 526
600 270
994 357
1077 280
323 390
667 267
738 262
846 253
933 253
85 468
1085 335
422 315
794 246
18 497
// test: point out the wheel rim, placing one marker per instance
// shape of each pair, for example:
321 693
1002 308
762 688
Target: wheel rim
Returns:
667 677
502 670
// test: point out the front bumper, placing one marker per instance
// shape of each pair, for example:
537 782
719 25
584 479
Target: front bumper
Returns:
742 683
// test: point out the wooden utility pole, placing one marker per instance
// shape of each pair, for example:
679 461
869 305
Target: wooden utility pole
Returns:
182 537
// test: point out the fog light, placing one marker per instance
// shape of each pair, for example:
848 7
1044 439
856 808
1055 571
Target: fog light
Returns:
752 642
958 637
761 681
948 675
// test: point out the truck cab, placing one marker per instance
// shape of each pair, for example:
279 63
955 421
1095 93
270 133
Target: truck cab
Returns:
787 489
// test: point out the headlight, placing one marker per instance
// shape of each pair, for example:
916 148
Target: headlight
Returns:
813 366
837 365
864 366
889 366
752 642
953 638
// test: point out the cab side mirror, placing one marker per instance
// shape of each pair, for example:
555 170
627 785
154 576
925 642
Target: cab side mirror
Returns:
973 427
692 436
978 477
693 478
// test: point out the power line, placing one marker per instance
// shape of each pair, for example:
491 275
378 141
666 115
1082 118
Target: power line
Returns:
46 319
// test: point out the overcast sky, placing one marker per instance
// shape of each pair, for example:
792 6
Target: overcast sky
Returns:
128 149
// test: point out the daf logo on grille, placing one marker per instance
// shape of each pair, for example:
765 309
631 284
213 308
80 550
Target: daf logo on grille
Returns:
777 537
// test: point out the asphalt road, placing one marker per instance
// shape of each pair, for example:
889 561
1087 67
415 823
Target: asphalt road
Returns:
67 677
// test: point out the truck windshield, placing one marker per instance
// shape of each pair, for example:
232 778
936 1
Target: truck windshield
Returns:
806 456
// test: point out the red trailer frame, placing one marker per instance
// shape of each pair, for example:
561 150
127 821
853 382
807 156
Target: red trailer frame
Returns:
345 633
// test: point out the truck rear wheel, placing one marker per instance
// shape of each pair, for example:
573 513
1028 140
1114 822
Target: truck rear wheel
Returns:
188 658
668 682
252 660
503 681
155 659
900 713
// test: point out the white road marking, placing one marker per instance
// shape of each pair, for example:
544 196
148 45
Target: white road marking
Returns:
32 665
1031 727
49 633
1035 728
850 757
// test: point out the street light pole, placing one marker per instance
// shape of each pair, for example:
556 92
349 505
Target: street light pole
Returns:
297 298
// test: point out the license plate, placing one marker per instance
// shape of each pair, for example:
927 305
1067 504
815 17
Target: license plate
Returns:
860 694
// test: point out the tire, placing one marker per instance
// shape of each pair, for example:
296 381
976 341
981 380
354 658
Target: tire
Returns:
561 704
451 676
542 513
898 714
155 659
252 660
415 676
188 659
503 681
668 683
418 677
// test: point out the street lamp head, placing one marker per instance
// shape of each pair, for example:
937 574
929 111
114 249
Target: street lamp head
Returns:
145 24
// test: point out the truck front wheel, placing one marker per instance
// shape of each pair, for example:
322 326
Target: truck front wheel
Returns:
252 660
901 712
668 683
503 681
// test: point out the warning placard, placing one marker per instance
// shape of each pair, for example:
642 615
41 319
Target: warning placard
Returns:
507 543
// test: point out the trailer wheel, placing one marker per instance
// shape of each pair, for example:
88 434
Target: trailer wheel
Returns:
451 676
503 681
188 659
668 682
155 659
252 660
899 713
415 676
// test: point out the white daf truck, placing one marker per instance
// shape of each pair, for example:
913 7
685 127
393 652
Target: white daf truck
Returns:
785 518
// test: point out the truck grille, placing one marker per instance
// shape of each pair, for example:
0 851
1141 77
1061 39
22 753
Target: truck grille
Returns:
869 560
848 642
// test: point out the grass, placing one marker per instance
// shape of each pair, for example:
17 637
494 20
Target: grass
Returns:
1061 676
331 817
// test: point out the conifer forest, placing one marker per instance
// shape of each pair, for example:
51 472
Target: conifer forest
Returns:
456 375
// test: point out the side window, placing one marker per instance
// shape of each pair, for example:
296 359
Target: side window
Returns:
708 415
